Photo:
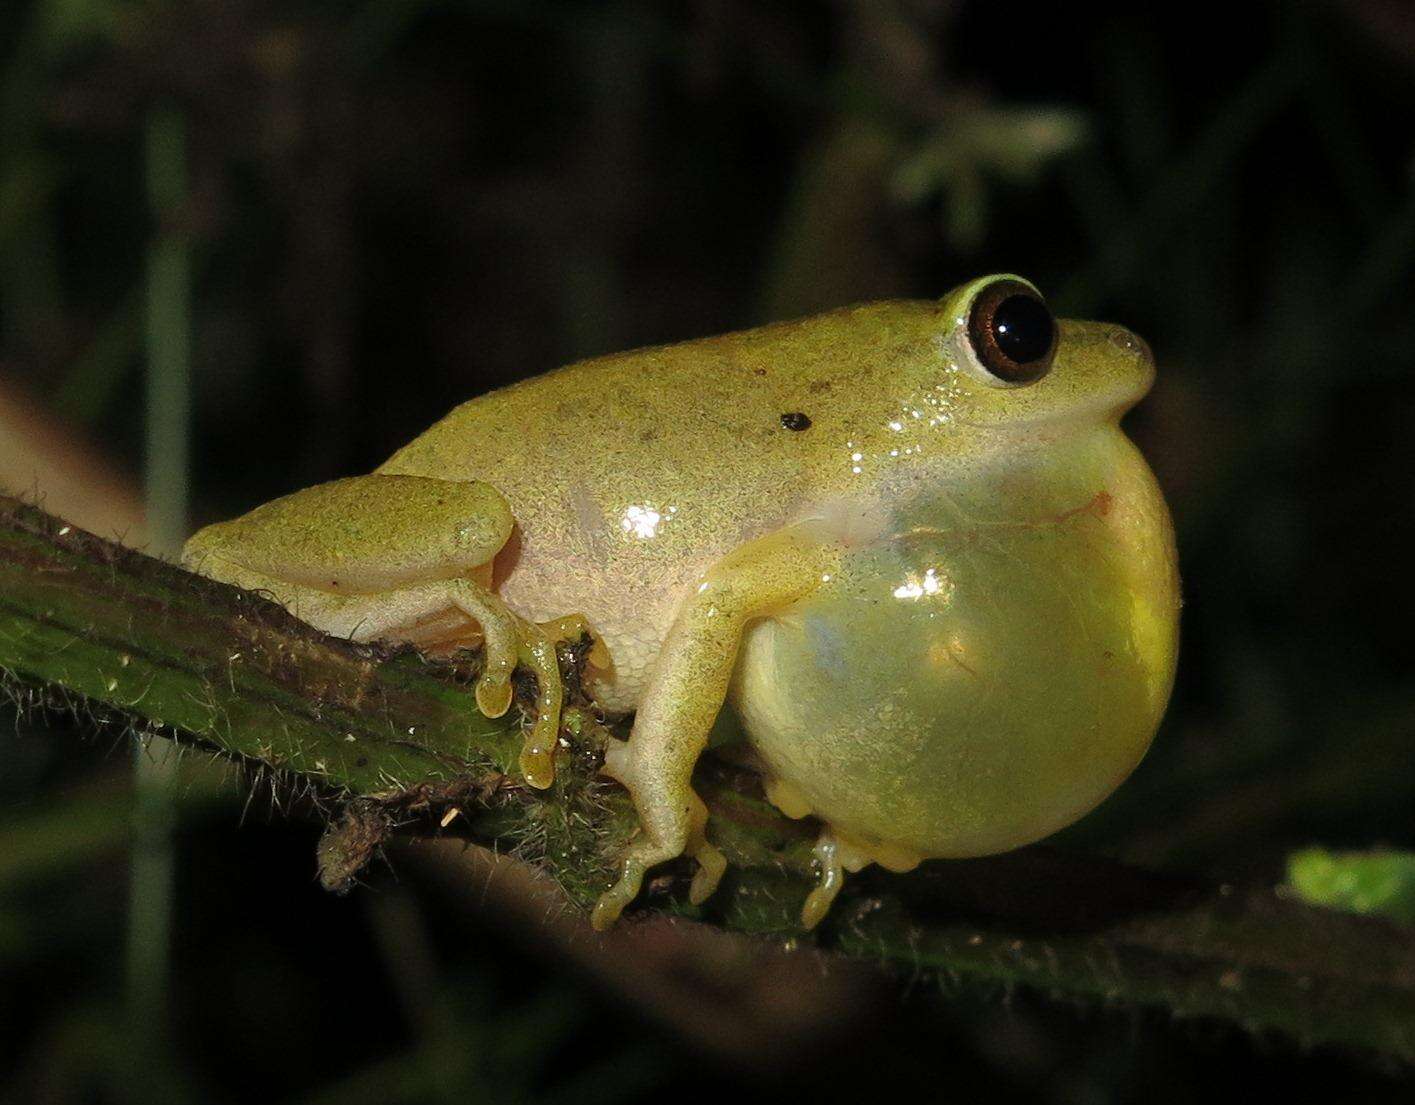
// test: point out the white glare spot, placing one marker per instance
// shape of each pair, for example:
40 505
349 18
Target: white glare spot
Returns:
896 425
915 587
641 522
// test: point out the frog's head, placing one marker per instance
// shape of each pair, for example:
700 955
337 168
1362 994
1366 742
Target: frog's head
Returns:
1012 364
1009 631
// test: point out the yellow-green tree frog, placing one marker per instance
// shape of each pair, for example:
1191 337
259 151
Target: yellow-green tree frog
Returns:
907 542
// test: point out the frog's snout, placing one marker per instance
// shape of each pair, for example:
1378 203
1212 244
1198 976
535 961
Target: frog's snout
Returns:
1105 366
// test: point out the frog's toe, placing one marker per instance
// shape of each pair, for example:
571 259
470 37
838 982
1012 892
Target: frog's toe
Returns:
832 877
493 689
537 760
493 694
836 853
646 853
612 902
598 656
712 864
572 627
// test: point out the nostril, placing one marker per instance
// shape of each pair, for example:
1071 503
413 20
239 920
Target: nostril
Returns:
1132 343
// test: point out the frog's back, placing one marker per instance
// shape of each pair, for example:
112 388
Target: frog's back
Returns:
630 474
699 409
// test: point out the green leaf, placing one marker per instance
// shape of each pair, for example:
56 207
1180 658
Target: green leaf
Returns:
1376 883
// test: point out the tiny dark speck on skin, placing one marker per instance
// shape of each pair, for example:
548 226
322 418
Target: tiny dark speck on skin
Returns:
795 420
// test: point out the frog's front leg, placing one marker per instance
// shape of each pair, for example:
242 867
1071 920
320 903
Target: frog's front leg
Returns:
379 556
687 690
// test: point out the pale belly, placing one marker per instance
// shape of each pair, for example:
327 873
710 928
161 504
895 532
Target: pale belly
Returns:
629 610
626 561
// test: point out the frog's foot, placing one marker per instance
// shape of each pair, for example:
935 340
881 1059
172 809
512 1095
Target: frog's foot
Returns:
571 628
388 555
836 854
507 639
667 834
503 637
646 853
538 652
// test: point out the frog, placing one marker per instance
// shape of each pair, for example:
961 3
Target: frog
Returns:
903 549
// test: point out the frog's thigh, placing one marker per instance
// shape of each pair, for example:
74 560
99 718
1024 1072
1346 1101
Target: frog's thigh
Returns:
365 534
361 557
684 695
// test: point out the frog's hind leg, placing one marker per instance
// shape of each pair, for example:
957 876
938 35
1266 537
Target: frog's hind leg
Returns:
373 556
506 640
835 854
685 693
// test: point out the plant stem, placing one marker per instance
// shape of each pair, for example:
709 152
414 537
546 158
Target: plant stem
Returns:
95 626
165 480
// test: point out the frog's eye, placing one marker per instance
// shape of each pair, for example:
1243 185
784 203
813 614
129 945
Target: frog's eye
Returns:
1012 332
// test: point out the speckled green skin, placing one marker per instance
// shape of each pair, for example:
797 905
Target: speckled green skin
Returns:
662 495
691 435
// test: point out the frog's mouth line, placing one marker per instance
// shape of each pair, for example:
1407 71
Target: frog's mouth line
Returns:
1107 412
1108 404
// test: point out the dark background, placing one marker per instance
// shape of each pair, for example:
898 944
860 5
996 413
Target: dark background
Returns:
392 206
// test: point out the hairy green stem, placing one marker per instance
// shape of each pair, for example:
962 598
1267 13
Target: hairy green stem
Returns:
395 737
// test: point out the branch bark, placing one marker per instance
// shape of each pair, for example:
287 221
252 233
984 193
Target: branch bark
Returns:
390 737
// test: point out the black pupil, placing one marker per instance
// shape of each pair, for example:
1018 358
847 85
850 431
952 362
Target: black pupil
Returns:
1022 327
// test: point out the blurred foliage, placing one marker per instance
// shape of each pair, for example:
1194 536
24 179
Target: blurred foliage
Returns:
395 204
1382 883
